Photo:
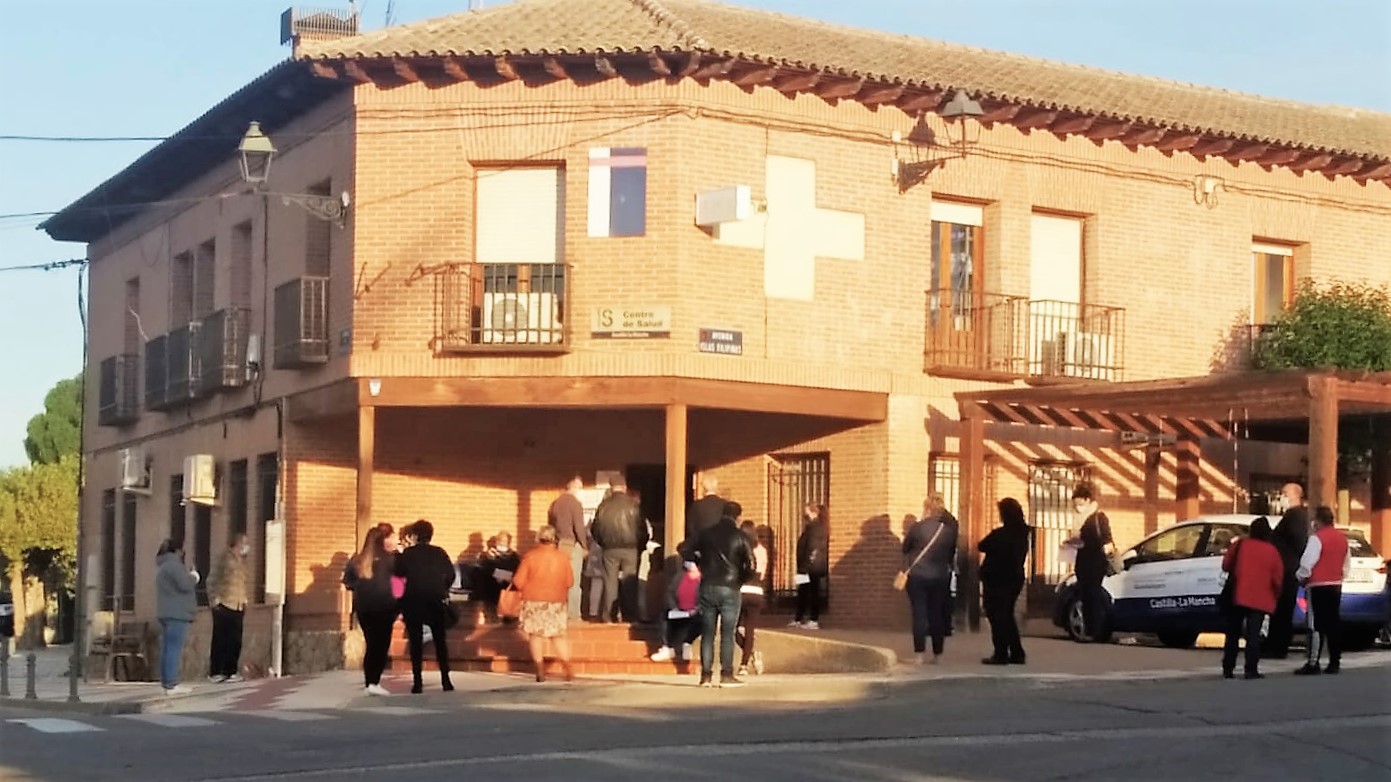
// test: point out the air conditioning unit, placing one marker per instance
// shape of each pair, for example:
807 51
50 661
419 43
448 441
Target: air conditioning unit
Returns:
726 205
520 318
135 470
1090 356
200 479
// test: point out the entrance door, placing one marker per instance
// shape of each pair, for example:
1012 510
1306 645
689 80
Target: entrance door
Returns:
794 480
650 482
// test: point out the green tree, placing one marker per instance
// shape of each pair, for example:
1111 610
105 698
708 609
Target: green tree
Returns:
56 432
38 537
1344 325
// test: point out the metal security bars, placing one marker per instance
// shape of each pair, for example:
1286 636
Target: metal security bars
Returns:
301 323
508 307
1015 336
118 398
794 481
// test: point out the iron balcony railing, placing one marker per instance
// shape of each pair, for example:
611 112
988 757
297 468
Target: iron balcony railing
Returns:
508 307
181 348
118 398
222 342
156 373
301 323
994 334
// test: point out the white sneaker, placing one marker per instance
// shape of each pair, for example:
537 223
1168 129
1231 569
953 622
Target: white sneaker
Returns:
918 659
795 623
663 654
234 678
177 689
217 679
758 663
811 625
377 689
687 652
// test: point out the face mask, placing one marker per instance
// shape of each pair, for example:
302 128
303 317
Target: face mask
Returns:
245 549
503 549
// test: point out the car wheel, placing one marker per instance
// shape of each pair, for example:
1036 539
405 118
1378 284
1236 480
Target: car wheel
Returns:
1178 639
1077 626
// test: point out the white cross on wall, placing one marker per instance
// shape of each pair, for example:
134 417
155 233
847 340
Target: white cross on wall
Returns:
794 232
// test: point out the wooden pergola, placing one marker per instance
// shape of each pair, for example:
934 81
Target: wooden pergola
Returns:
1187 409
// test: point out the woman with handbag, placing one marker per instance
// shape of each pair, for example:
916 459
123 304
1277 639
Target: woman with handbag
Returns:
1255 574
369 577
544 579
1095 546
929 550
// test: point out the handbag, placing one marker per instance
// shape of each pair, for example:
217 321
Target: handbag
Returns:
451 614
1226 599
901 578
509 603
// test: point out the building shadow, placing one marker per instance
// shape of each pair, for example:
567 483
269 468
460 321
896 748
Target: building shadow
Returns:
866 570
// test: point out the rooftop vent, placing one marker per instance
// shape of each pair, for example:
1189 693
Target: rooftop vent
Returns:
317 24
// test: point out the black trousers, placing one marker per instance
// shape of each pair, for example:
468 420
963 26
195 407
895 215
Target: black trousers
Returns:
1093 601
999 600
225 658
376 636
1325 623
620 595
1243 623
750 606
930 602
1277 639
809 598
418 615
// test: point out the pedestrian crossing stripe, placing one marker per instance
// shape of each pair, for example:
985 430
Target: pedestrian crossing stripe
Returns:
56 725
169 720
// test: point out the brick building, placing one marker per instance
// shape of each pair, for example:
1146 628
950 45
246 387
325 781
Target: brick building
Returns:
519 290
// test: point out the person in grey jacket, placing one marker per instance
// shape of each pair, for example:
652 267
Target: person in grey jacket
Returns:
929 551
175 605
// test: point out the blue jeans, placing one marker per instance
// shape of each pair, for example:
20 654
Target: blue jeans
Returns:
171 651
929 599
718 604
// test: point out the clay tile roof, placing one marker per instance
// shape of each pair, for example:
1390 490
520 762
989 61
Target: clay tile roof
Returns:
558 27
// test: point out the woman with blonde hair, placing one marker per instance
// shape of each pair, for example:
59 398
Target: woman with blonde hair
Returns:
368 576
544 579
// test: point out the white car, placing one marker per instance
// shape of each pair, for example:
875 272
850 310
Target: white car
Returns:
1170 582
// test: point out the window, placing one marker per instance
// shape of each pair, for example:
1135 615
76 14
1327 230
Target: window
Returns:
1177 543
177 519
618 191
1273 275
204 280
1220 536
181 291
955 286
520 215
1055 260
318 237
128 525
240 263
108 550
267 476
202 548
236 499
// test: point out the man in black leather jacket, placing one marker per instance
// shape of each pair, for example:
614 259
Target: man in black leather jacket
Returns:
726 563
619 530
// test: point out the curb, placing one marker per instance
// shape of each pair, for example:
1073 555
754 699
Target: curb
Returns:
93 708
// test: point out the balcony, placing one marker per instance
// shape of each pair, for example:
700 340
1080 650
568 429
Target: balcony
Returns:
1010 337
156 373
222 341
181 352
118 398
301 323
502 307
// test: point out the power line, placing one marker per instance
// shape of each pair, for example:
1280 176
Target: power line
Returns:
45 267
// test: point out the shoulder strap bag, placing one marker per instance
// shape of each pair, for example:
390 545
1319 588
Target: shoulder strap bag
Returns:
901 578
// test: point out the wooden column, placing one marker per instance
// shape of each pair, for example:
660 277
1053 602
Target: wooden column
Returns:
974 524
366 456
676 478
1323 441
1381 485
1154 457
1188 484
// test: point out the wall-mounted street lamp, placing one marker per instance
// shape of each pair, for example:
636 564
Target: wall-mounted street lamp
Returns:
256 152
915 157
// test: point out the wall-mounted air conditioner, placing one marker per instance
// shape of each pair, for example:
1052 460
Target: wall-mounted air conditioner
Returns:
1091 356
520 318
200 479
726 205
135 470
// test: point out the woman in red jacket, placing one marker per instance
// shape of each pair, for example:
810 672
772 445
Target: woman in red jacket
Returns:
1255 564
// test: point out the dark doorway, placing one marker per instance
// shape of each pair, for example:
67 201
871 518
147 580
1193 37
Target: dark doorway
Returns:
650 482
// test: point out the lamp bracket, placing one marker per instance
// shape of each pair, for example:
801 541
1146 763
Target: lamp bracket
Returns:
327 208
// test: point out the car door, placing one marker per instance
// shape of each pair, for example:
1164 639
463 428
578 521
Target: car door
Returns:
1150 593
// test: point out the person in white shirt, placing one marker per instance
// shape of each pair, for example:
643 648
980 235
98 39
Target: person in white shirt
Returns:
751 603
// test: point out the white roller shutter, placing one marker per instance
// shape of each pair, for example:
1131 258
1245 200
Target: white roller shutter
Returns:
520 215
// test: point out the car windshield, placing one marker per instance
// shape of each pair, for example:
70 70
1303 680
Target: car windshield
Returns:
1358 545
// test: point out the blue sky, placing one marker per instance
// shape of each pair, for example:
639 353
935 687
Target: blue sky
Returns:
147 67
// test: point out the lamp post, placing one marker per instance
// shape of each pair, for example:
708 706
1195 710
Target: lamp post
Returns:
256 153
913 157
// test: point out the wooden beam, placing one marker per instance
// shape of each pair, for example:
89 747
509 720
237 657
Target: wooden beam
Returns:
1211 147
972 482
454 69
504 67
1381 484
1154 457
404 71
555 68
1143 137
605 67
913 103
874 96
1188 485
1000 114
1380 172
658 64
324 70
1311 163
1279 157
1365 393
1072 125
1248 152
713 69
355 72
792 83
1347 167
334 400
676 432
366 455
625 392
690 66
1178 143
756 76
1035 119
1107 131
841 89
1323 441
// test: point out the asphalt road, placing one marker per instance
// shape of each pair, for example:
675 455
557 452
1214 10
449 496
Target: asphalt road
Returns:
1280 728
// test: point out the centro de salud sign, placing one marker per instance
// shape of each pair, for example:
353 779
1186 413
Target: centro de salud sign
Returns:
631 323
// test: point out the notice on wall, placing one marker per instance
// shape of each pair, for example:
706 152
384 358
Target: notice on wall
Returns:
725 341
631 323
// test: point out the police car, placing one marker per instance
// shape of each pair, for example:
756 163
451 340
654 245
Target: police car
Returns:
1170 581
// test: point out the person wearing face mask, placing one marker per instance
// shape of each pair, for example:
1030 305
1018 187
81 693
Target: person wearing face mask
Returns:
1094 548
227 594
497 567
